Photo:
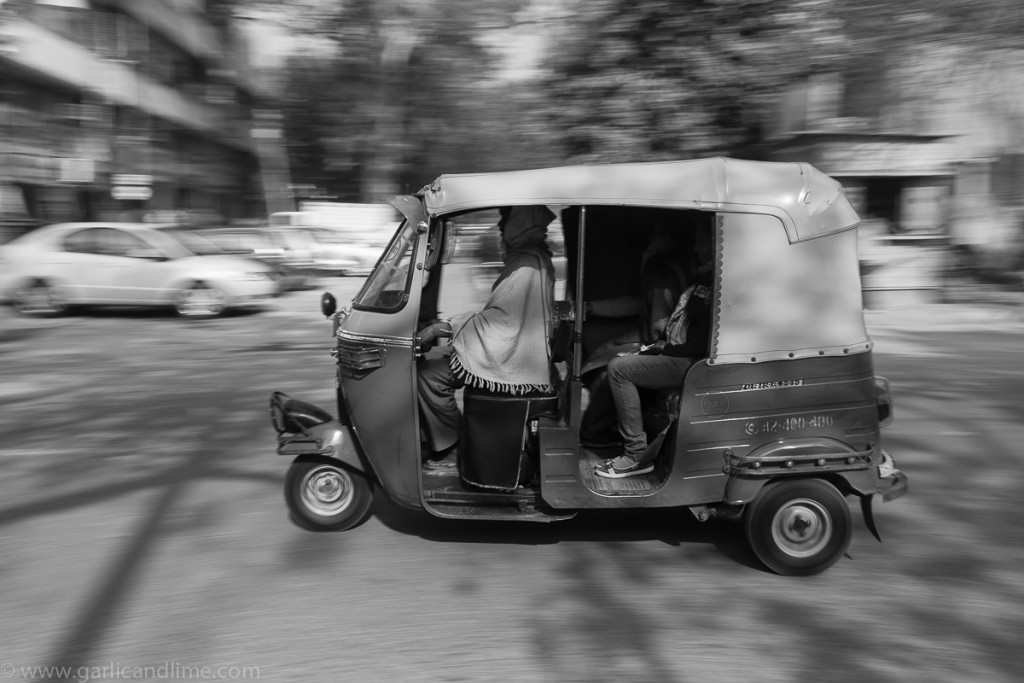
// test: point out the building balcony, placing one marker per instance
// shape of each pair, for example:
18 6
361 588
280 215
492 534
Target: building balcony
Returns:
49 57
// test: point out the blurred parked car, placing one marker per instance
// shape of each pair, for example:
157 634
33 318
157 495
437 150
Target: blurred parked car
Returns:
291 255
51 268
339 255
202 246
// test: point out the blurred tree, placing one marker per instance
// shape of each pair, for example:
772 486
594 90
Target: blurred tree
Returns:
881 26
398 95
416 88
660 79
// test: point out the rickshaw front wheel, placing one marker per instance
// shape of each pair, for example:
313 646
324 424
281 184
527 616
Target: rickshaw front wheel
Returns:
799 527
324 495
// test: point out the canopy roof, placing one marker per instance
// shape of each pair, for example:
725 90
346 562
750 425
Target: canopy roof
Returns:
809 203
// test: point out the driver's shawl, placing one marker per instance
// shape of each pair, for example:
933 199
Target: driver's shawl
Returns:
505 347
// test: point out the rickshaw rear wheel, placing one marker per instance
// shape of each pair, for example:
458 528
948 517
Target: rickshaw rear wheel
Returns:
324 495
799 527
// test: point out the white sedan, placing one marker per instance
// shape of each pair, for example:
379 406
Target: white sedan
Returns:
47 270
339 254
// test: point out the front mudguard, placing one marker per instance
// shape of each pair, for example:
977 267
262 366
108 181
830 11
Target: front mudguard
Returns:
304 428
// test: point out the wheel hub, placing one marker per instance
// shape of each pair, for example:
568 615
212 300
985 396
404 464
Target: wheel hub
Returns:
200 301
327 490
37 299
801 528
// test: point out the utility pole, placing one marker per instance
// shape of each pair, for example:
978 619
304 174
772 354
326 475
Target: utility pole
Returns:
268 137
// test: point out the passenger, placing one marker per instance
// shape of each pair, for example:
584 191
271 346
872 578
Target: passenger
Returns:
665 274
660 365
505 346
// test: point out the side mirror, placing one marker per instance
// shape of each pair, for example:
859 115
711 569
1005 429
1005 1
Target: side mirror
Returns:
328 304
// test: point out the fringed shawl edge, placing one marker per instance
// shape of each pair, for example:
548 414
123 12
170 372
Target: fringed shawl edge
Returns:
471 380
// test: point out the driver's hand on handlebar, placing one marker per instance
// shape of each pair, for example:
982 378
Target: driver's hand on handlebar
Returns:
431 333
435 331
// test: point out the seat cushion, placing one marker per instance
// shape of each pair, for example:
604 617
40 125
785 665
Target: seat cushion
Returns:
492 453
537 403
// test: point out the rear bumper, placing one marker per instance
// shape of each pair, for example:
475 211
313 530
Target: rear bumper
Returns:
892 482
894 486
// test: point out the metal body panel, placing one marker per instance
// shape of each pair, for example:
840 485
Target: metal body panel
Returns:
822 404
777 300
380 401
742 408
770 413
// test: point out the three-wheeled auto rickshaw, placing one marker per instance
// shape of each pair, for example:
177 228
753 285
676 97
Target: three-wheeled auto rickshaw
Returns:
775 427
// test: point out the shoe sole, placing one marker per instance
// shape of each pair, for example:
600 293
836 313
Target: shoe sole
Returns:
622 474
447 467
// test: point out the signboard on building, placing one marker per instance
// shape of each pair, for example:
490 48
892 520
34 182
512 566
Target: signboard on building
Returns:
133 192
131 179
884 158
847 155
131 186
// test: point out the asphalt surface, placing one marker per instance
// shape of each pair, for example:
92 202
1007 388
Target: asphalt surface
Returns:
144 527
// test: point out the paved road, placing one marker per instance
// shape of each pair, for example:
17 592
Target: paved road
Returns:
144 526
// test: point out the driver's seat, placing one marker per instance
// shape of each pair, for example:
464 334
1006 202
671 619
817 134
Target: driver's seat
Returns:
496 436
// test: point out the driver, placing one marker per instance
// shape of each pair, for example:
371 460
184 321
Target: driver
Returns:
505 346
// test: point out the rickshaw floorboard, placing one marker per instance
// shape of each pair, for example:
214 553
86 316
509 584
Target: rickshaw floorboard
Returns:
449 486
627 486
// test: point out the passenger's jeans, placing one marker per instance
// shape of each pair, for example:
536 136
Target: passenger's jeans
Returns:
625 375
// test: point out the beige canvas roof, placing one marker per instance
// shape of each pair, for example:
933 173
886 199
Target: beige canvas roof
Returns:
808 202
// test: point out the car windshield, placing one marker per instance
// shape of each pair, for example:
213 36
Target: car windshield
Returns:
171 247
191 241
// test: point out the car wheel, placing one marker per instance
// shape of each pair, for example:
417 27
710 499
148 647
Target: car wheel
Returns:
39 298
324 495
280 284
200 301
799 527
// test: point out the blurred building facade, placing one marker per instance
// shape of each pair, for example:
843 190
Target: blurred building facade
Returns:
914 148
110 109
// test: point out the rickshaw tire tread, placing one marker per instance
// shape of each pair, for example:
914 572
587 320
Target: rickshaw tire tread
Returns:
351 517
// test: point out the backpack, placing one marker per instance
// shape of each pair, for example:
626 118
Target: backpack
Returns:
675 331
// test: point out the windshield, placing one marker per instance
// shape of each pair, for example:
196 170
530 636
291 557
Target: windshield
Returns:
171 247
196 244
387 287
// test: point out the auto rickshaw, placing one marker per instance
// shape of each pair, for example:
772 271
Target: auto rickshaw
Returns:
775 428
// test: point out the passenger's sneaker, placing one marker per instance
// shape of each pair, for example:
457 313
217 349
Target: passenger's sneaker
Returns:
623 467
